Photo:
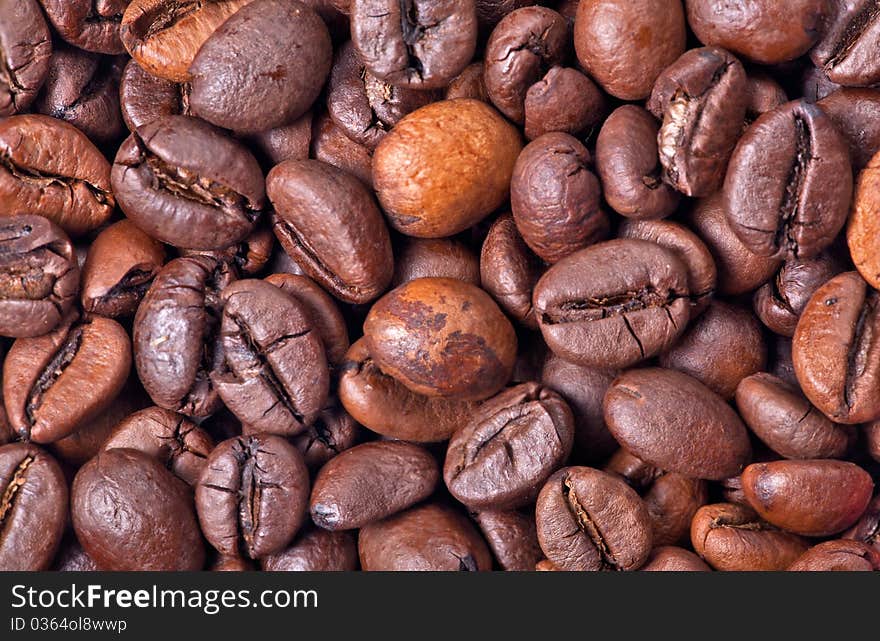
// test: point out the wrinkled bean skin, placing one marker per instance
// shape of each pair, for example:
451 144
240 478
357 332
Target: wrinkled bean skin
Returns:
33 507
838 556
668 558
701 437
315 550
817 497
26 48
862 228
847 50
590 520
131 514
512 537
252 496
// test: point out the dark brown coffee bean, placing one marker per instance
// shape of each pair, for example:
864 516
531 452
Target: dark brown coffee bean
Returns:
815 85
838 556
252 496
50 168
431 537
816 497
835 350
88 24
856 115
435 258
33 507
867 528
563 100
469 84
789 183
275 377
695 433
185 183
179 444
247 257
765 94
55 383
145 98
415 43
512 537
131 514
862 230
590 520
287 142
25 49
332 146
733 538
613 304
490 12
315 550
668 558
330 224
333 432
847 51
555 197
72 558
628 164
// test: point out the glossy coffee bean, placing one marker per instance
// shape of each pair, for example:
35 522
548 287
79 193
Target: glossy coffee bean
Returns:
50 168
431 537
469 83
668 558
450 183
435 258
695 433
144 98
834 350
628 165
333 432
33 510
702 99
187 184
442 337
563 100
601 316
315 550
87 24
847 50
38 275
862 228
867 528
27 48
625 44
816 497
786 421
838 556
131 514
370 482
510 445
815 85
418 43
275 377
555 197
53 384
252 496
332 146
733 538
329 223
243 76
512 537
591 520
856 114
287 142
789 183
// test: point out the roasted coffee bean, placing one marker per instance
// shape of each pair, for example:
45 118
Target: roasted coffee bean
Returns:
591 520
131 514
92 25
287 142
524 45
243 76
628 164
421 44
145 98
386 406
847 51
442 337
370 482
613 304
779 303
563 100
164 36
55 383
72 558
764 31
838 556
469 84
780 361
694 432
668 558
332 146
275 378
179 444
33 507
315 550
702 99
435 258
512 537
511 444
690 250
733 538
50 168
786 422
333 432
867 528
789 183
764 94
490 12
815 85
862 230
38 275
856 115
450 183
252 496
329 223
835 350
25 50
248 257
187 184
231 564
431 537
555 197
175 335
816 497
625 44
671 499
119 269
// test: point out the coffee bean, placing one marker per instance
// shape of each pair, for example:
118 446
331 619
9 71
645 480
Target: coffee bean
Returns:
247 257
593 314
872 439
846 51
668 558
332 146
26 47
315 550
764 93
131 514
287 142
33 507
333 432
563 100
512 537
469 83
144 98
838 556
434 258
72 558
87 24
855 113
862 229
867 528
815 85
490 12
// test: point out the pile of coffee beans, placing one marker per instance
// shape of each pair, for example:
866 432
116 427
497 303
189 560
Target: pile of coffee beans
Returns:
440 284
